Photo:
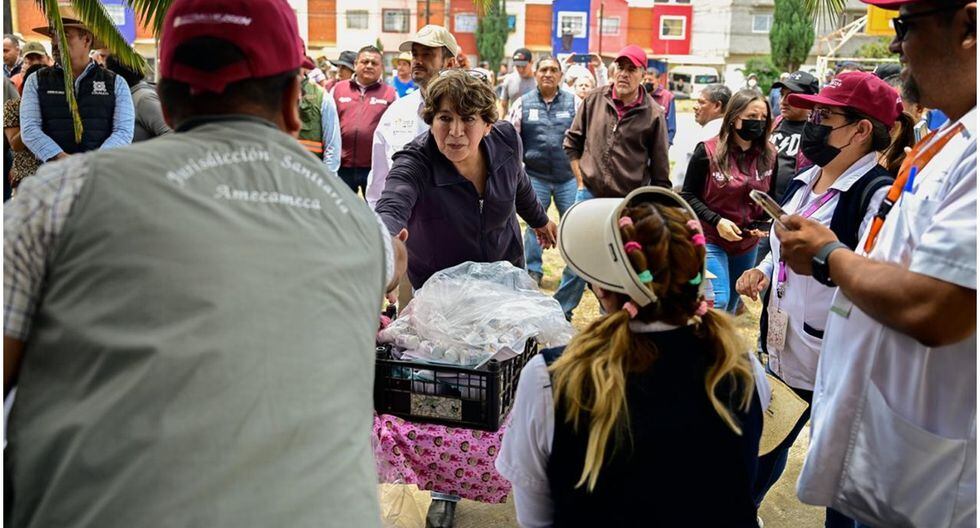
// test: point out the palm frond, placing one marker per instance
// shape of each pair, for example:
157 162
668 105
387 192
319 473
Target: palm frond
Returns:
152 12
52 11
824 9
97 19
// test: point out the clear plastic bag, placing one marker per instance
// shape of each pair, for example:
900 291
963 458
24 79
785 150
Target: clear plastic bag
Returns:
475 311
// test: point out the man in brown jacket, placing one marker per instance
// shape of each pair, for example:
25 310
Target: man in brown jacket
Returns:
618 141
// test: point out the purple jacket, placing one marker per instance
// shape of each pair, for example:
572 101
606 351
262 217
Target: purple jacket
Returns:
448 222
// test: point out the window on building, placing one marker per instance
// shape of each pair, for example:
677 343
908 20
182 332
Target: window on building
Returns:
610 26
673 28
357 20
762 23
394 20
465 23
573 22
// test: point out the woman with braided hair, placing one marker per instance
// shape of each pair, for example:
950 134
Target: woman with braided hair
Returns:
650 417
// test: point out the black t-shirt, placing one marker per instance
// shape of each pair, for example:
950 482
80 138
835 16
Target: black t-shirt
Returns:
786 139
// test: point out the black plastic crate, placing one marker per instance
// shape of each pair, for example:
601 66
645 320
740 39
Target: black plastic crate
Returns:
445 394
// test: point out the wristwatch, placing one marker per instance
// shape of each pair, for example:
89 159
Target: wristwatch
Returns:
821 268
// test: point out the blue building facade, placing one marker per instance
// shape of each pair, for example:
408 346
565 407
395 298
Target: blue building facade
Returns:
570 23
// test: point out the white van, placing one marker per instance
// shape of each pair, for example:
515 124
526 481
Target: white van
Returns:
690 80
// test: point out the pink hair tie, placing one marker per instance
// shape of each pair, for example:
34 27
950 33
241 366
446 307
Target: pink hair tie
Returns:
698 239
702 309
694 225
631 309
625 221
632 245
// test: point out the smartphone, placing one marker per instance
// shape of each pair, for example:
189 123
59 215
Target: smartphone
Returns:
582 59
768 205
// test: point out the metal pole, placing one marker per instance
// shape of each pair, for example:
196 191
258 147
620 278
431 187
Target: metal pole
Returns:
427 12
602 7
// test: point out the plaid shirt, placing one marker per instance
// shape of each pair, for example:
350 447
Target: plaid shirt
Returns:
32 224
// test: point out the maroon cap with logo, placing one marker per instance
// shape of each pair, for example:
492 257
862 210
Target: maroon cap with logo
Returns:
891 4
264 30
635 54
861 91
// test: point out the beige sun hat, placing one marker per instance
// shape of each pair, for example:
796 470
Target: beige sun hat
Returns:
70 19
590 242
785 409
403 56
432 36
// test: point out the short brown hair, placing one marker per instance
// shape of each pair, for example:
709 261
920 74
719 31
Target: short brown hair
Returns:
466 94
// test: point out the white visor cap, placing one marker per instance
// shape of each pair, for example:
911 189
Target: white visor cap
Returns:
590 242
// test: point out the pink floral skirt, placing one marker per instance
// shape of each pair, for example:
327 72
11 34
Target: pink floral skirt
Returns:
439 458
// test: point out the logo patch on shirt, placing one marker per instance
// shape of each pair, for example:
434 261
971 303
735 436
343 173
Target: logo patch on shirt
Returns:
532 114
375 100
344 99
563 115
98 88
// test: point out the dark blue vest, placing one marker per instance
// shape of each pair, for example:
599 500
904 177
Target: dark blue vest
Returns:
543 129
96 99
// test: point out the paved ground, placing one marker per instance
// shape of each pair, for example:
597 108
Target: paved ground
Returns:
781 509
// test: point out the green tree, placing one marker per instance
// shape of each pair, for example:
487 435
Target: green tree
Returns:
765 71
94 15
491 32
791 36
876 50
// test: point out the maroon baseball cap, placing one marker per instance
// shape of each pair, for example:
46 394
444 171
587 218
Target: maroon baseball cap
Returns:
861 91
635 54
892 5
264 30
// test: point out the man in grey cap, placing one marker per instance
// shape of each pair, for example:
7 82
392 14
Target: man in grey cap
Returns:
520 81
345 68
433 49
34 53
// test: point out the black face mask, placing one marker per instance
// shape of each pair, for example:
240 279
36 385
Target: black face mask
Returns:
813 143
648 87
752 129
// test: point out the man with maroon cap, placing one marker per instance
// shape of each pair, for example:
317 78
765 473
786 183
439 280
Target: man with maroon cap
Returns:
894 409
190 321
617 142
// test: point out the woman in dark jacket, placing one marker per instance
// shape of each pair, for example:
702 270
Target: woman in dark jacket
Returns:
456 187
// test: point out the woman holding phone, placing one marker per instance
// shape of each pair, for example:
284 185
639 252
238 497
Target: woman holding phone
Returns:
722 172
851 123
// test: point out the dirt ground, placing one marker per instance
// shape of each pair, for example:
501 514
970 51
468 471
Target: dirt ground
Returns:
781 509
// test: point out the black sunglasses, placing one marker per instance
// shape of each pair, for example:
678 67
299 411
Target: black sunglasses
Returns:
901 23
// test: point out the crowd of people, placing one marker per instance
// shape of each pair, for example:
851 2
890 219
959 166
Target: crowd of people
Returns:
192 285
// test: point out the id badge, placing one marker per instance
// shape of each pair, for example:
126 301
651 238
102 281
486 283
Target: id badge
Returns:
778 324
841 305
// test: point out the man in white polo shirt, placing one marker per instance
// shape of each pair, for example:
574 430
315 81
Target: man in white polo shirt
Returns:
894 409
433 49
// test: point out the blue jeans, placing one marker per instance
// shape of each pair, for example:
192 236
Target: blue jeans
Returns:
836 519
728 269
564 195
572 286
